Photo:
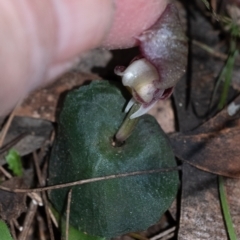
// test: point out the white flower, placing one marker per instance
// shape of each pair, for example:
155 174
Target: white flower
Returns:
143 80
164 49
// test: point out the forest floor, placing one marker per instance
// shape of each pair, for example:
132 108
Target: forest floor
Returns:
201 119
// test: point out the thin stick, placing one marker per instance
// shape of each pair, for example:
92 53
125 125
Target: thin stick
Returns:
37 168
210 50
49 211
54 220
170 236
28 221
13 231
7 125
45 171
5 172
68 212
41 227
137 236
44 197
85 181
163 234
49 223
13 142
16 224
34 196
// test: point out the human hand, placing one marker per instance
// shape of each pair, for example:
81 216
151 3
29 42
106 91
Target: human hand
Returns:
41 39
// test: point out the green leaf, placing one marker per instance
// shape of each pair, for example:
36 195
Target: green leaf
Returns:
73 233
226 212
227 76
5 234
14 162
83 150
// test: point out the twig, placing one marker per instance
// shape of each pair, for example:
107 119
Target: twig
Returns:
68 212
163 234
137 236
210 50
52 216
13 231
45 170
34 196
42 182
54 220
13 142
170 236
37 168
16 224
85 181
41 228
46 206
7 125
5 172
28 221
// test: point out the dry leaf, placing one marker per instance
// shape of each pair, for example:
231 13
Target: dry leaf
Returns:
163 112
12 204
213 147
44 103
34 131
201 216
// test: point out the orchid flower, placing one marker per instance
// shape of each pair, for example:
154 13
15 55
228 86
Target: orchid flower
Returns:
153 76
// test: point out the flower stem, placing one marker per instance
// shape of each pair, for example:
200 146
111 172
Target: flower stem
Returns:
127 127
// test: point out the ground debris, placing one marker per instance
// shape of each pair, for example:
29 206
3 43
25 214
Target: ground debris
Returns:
201 215
30 132
12 204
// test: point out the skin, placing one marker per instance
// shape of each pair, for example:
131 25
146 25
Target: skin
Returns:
41 39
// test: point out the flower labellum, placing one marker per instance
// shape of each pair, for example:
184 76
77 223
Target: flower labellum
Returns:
161 65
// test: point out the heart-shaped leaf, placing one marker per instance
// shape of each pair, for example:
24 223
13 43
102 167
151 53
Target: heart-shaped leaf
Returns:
83 150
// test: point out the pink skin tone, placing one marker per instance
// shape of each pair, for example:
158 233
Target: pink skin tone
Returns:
41 39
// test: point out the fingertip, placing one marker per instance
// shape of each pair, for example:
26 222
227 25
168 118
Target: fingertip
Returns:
131 19
82 25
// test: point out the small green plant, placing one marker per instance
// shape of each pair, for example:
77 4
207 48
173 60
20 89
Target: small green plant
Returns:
5 233
85 149
226 73
225 209
97 139
14 162
231 25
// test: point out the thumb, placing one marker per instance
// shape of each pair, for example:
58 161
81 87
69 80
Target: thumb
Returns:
40 39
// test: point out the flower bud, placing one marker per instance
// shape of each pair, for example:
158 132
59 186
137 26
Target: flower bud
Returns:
164 50
142 78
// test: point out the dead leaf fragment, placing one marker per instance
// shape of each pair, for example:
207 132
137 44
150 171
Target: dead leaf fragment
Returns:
163 112
44 103
34 131
213 147
201 216
12 204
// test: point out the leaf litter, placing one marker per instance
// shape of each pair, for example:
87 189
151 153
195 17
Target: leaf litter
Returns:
207 140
